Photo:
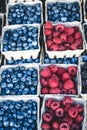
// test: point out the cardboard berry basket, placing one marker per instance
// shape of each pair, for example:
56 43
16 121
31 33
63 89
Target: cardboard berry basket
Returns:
24 98
63 66
28 2
68 53
23 53
60 98
4 67
62 1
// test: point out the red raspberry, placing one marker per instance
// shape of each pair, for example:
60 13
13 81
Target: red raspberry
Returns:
69 30
45 73
55 125
78 35
63 91
53 82
64 126
59 112
80 108
54 91
79 41
70 39
61 71
61 48
65 76
72 70
79 119
43 82
68 84
60 28
76 28
67 100
47 117
47 32
56 34
57 41
55 105
44 91
68 120
73 112
75 127
55 76
53 68
48 102
63 37
48 25
72 91
74 46
45 126
54 47
50 37
49 43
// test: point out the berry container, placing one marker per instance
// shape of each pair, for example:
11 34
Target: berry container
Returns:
67 53
27 66
26 3
21 53
63 66
60 98
25 99
62 1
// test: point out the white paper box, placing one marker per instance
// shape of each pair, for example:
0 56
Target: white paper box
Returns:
59 98
68 53
64 66
26 66
24 53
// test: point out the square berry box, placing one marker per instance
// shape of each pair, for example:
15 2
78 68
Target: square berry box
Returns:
63 11
59 79
56 37
56 115
30 12
20 41
19 112
20 79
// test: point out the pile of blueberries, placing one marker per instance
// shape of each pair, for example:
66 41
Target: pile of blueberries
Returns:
84 78
24 14
22 38
65 60
18 115
19 81
64 12
2 6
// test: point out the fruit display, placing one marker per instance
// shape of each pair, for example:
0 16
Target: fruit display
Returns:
62 114
59 80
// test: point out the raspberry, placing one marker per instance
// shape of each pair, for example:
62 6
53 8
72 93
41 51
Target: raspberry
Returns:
48 102
73 112
47 117
68 84
69 30
53 82
44 91
70 39
63 37
56 34
61 48
64 126
78 35
72 91
55 125
45 126
75 127
49 43
74 46
59 112
79 108
47 32
55 105
79 41
59 28
68 120
65 76
46 73
61 71
57 41
43 82
55 76
48 25
53 68
54 47
50 37
54 91
72 70
67 100
79 119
